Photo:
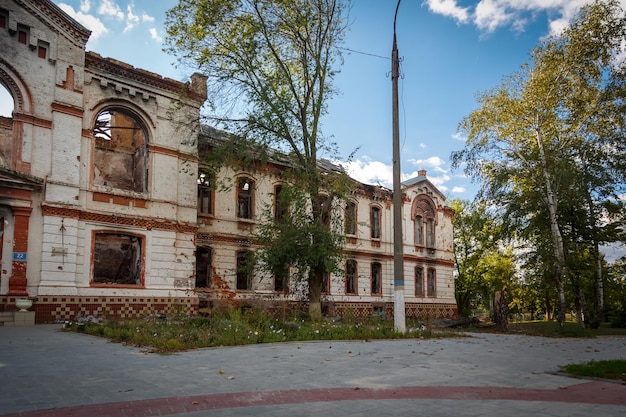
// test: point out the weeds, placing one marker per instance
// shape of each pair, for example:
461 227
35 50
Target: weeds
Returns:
240 327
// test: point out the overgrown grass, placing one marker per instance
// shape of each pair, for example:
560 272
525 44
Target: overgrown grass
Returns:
240 327
608 369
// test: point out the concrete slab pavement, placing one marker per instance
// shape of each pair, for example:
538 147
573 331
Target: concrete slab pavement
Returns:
46 372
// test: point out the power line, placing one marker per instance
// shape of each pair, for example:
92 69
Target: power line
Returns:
364 53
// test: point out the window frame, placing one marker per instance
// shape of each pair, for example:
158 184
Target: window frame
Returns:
209 272
431 282
140 153
375 222
142 261
350 219
242 270
419 278
376 283
246 196
352 277
206 191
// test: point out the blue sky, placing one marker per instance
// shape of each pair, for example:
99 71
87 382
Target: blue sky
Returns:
450 50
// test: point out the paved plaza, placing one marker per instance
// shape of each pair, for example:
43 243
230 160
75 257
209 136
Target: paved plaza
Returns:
47 372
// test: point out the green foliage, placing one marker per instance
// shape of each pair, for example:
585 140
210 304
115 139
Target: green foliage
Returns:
270 66
242 326
547 144
608 369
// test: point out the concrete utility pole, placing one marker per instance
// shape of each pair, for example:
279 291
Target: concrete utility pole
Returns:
399 314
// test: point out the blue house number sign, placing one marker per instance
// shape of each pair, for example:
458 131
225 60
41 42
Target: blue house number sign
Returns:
19 256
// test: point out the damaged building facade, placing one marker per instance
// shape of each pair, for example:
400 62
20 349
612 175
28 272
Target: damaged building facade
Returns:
97 174
227 216
104 210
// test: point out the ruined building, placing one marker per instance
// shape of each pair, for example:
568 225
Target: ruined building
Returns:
104 211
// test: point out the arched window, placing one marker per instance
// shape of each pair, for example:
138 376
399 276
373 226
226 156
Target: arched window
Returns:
245 198
349 220
206 191
424 218
121 151
375 221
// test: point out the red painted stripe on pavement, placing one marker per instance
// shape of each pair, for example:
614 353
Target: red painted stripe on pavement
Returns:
587 393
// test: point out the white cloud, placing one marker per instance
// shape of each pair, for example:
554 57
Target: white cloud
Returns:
434 162
91 22
85 6
459 136
109 8
370 172
449 8
131 19
146 18
155 35
490 15
6 102
458 190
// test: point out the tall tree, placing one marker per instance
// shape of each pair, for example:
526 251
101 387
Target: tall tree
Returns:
270 65
548 134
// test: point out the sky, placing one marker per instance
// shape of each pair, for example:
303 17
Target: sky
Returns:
450 51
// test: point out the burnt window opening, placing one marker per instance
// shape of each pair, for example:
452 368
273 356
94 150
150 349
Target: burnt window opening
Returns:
281 280
350 219
121 151
375 222
23 34
430 233
117 259
203 267
244 270
419 281
206 190
376 278
245 198
419 230
351 277
431 283
281 207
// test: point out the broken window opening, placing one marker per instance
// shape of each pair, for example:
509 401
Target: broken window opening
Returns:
121 151
281 280
351 277
350 219
376 278
281 207
375 222
244 270
419 281
205 192
204 258
245 198
431 283
117 259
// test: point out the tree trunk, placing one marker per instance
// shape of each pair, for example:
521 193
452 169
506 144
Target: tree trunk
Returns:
559 251
315 294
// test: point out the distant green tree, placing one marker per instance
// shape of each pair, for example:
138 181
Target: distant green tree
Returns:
549 141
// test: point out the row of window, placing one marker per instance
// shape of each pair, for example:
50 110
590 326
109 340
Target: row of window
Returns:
424 226
118 260
425 286
23 34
